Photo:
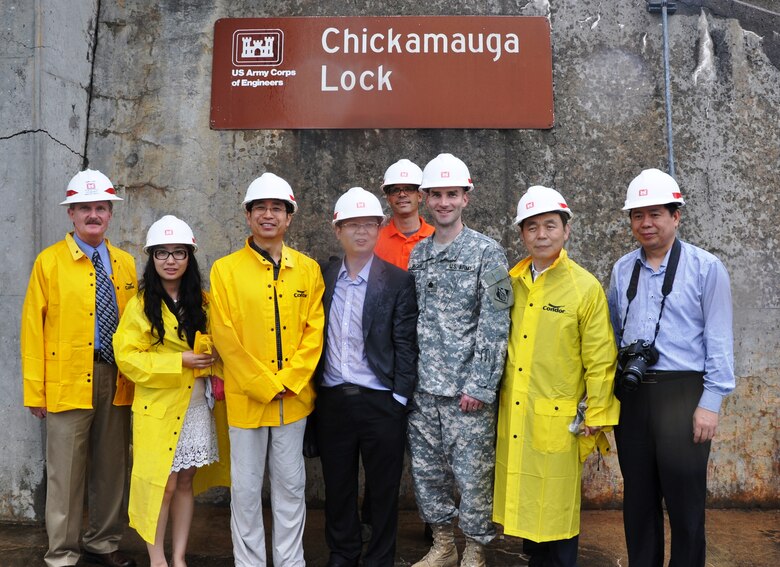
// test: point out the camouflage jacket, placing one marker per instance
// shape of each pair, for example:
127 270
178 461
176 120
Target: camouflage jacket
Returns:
464 294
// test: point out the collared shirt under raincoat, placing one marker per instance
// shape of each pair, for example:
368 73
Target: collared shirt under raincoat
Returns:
162 395
58 326
246 334
560 347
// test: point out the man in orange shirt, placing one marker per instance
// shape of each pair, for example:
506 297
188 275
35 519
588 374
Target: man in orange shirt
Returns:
406 228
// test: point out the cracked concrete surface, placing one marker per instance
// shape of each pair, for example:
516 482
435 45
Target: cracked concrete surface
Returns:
42 141
41 131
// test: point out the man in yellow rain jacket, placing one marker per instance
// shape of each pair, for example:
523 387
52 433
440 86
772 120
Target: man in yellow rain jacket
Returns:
71 380
561 349
267 321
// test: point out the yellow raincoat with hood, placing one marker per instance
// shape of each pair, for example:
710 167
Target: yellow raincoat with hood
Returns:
561 347
162 394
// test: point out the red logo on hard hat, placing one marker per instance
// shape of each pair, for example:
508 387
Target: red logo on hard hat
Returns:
643 192
360 205
677 195
168 232
563 205
193 240
90 184
292 198
335 216
445 174
70 193
111 190
529 205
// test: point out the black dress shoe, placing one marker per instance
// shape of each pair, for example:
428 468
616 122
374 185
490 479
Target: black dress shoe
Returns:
336 561
113 559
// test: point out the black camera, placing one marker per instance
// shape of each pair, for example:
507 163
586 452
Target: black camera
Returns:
633 360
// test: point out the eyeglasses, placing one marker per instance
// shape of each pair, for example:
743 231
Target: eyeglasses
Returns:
178 254
356 226
275 209
396 190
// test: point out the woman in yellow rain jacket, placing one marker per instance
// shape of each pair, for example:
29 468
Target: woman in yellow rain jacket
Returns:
561 347
173 428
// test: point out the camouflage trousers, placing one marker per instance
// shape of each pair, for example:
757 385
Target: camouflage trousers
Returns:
454 451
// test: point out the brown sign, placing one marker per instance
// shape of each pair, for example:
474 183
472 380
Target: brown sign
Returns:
382 72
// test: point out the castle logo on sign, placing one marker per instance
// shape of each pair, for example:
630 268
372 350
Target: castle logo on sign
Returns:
258 48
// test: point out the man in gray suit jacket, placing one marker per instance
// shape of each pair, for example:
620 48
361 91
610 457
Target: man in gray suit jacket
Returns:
366 377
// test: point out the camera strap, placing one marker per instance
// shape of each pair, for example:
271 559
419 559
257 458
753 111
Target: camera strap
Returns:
666 288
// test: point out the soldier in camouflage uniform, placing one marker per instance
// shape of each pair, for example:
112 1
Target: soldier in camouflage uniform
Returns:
464 294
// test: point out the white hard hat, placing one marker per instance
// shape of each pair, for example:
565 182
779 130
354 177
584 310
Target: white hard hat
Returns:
170 230
445 170
538 200
652 187
270 186
89 186
403 172
357 202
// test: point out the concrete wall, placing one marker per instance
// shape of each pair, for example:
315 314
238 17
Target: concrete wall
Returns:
148 130
46 51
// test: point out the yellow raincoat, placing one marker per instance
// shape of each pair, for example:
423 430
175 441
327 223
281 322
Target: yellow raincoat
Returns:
58 326
162 394
245 334
560 347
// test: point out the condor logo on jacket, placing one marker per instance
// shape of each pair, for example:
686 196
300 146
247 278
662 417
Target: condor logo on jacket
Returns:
301 293
554 308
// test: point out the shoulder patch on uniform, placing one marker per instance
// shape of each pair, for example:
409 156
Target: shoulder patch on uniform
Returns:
499 287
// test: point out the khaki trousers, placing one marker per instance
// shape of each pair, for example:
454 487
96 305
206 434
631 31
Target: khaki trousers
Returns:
76 440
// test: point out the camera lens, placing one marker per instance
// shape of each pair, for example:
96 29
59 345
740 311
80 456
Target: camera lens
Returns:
630 381
632 373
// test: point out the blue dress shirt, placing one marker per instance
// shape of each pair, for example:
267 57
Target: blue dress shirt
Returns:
696 327
345 354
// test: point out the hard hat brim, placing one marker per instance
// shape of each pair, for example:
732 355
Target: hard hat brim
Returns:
466 188
90 199
630 205
245 202
519 219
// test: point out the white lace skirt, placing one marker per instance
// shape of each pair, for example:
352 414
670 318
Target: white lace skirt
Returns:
198 440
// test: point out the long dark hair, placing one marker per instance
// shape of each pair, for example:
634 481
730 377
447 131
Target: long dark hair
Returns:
189 310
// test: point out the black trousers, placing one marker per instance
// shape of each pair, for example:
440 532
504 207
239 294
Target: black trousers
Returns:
558 553
660 461
355 422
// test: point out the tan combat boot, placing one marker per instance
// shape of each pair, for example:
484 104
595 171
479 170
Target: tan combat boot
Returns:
443 553
473 555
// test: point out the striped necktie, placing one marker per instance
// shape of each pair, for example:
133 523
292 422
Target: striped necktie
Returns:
105 308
